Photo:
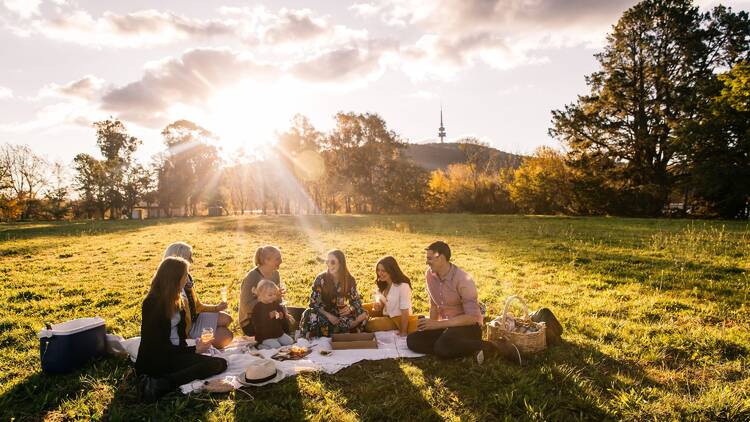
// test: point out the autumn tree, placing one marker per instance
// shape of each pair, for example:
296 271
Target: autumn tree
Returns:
92 185
24 176
117 148
543 184
718 146
188 169
656 70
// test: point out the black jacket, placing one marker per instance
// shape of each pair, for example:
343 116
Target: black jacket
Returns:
156 350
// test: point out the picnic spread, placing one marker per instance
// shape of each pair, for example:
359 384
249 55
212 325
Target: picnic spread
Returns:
316 355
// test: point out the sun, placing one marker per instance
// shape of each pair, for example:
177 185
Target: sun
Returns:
249 115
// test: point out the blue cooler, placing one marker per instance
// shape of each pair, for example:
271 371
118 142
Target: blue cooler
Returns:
67 346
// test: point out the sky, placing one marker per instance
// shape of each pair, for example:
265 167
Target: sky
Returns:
244 69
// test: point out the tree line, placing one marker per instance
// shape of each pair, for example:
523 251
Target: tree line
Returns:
664 130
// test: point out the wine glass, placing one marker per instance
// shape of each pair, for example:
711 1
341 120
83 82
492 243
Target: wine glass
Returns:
224 294
282 293
377 300
207 335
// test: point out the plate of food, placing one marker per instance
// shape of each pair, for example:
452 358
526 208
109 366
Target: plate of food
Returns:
291 353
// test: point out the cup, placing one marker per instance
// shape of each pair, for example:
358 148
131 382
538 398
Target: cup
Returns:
207 335
282 287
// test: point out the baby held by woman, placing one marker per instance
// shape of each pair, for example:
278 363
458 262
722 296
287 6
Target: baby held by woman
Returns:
269 317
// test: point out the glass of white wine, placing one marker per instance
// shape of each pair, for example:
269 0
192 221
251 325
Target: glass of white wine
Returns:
207 335
282 293
224 294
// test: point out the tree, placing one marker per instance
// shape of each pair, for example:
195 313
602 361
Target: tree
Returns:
298 150
92 185
363 159
137 183
719 146
655 70
24 176
460 189
543 184
56 196
189 167
117 147
240 180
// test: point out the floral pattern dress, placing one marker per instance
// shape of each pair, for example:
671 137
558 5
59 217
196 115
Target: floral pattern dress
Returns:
315 324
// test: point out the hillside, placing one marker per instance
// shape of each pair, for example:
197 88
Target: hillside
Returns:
435 156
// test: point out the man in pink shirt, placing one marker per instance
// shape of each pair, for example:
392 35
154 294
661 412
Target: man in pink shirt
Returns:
454 328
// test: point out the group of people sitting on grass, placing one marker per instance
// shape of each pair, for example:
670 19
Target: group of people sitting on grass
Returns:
173 313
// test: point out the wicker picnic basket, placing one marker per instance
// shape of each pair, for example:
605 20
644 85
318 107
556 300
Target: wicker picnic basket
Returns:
528 336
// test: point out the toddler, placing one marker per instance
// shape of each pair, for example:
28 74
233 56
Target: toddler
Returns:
269 318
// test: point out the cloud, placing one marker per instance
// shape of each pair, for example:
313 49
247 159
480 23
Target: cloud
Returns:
137 29
346 63
460 15
88 87
23 8
53 116
256 26
190 79
365 9
295 25
503 34
5 93
290 27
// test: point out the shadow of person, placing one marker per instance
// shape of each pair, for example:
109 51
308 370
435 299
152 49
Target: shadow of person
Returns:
273 402
566 382
379 390
104 389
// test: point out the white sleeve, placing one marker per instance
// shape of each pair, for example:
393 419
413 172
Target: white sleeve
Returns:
404 296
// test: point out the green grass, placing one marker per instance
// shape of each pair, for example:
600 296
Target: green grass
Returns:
656 313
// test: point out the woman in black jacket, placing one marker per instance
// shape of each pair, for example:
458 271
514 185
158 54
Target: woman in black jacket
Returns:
164 360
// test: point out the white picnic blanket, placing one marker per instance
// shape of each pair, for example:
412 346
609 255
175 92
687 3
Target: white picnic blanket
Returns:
239 355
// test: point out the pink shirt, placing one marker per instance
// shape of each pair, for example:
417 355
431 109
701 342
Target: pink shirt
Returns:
454 295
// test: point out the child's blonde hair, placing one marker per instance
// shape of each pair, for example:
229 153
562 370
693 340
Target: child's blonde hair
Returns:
265 285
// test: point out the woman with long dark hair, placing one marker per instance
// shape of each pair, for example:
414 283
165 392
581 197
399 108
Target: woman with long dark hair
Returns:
199 315
165 361
335 304
391 309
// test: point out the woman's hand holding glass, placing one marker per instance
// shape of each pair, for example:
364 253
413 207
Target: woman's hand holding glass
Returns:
377 301
203 344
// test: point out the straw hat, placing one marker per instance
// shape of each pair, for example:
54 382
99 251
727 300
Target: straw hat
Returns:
261 372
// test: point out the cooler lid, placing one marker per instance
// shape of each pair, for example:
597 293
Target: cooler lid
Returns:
71 327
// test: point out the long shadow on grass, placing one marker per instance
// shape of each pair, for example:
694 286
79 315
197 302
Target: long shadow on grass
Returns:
381 390
83 227
47 394
614 268
275 402
105 389
567 382
36 395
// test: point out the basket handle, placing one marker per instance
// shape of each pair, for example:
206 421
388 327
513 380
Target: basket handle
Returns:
509 300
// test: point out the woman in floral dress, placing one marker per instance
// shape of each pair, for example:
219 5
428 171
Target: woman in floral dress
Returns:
335 304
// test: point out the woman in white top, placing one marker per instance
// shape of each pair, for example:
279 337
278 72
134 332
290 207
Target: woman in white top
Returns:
391 309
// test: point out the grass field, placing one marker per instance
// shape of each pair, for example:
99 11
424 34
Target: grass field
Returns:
656 313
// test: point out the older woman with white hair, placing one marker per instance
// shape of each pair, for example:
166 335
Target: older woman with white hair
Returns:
199 316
